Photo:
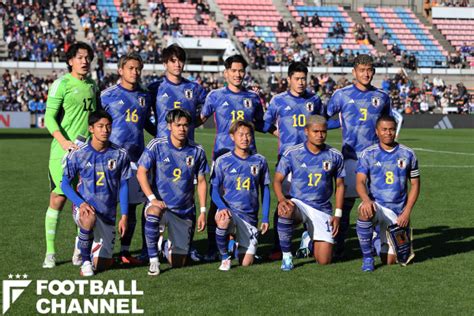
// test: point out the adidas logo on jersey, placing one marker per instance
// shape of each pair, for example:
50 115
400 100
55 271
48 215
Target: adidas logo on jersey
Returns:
165 95
233 171
225 103
351 101
378 164
88 164
121 102
303 165
288 108
166 159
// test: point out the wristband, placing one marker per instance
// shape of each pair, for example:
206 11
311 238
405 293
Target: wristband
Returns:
151 197
203 209
338 212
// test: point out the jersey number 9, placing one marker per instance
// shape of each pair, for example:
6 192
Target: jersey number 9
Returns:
176 174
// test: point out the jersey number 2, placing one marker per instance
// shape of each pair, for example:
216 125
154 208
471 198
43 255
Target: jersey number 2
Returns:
100 181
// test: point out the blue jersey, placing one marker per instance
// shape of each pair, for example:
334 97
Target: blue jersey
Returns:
388 174
100 174
174 172
289 114
227 107
187 95
240 181
312 175
129 110
359 112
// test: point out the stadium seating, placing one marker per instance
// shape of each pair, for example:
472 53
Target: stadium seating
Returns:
408 33
113 8
458 33
329 16
263 15
186 12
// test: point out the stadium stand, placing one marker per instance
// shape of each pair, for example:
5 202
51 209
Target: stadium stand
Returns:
115 27
190 19
460 33
324 37
406 34
36 31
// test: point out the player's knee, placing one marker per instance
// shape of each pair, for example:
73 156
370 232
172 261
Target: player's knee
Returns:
57 201
155 211
87 220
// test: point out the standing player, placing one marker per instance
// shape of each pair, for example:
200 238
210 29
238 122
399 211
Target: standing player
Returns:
359 106
70 100
173 91
229 104
286 118
315 167
385 168
104 170
130 107
238 177
176 162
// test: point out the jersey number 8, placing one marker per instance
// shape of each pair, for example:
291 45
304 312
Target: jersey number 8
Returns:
389 177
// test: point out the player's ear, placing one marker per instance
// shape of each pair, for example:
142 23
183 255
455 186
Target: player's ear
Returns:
169 126
232 137
120 71
91 128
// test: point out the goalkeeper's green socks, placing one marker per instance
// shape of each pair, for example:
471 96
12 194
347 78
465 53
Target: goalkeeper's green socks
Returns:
50 226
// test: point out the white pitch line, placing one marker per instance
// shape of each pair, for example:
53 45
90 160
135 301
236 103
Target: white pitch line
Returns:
443 151
447 166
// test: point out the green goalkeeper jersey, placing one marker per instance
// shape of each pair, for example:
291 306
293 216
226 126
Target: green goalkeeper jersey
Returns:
69 103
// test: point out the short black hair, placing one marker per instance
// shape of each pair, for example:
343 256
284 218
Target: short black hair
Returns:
130 56
175 114
96 116
235 59
174 50
385 118
72 52
363 59
297 67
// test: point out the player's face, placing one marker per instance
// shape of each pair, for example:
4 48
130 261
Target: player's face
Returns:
316 134
363 74
242 138
298 83
130 72
80 63
386 132
101 130
235 74
179 129
174 66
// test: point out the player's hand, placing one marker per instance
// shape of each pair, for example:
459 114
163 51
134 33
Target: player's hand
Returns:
201 222
263 228
367 209
285 207
404 219
223 215
335 222
67 145
86 209
122 225
159 204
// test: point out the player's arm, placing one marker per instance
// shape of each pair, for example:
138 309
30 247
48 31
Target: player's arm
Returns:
367 206
265 209
404 218
258 119
201 100
269 120
202 196
123 197
208 108
283 203
149 126
339 201
142 176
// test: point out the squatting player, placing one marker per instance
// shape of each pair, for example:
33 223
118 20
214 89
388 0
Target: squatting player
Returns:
173 91
385 168
70 100
176 162
229 104
238 178
315 168
104 170
359 106
130 107
286 118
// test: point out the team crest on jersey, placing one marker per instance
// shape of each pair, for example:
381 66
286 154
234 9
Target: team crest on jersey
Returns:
309 106
247 103
188 93
376 101
189 161
254 170
326 165
111 164
141 101
401 163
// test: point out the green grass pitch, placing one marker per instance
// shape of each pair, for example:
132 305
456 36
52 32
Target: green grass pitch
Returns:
440 281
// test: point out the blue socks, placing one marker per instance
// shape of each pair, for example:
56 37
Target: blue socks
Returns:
84 243
152 233
365 232
285 233
221 240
